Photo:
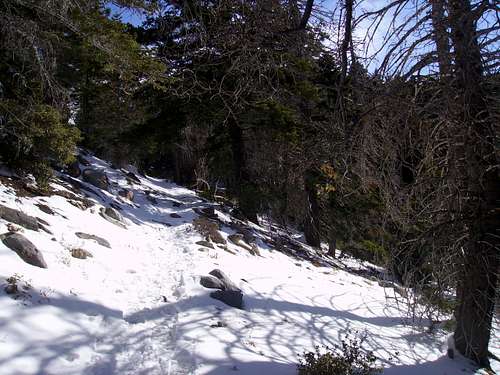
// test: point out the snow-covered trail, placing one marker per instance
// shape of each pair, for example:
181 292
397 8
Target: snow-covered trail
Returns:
106 314
138 308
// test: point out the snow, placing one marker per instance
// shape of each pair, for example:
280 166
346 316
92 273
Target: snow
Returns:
138 308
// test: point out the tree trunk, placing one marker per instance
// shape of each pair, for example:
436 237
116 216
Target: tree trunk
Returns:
441 37
332 244
244 189
347 40
306 15
476 177
311 224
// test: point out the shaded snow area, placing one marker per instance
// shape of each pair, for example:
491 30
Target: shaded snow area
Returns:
138 307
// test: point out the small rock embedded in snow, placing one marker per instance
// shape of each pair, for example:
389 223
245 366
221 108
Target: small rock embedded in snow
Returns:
127 194
81 253
205 244
112 213
113 216
219 324
101 241
11 289
13 228
45 208
26 250
175 216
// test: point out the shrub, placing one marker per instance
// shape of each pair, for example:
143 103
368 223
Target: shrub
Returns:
35 137
345 359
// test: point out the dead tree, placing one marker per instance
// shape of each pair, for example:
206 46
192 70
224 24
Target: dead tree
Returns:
458 134
476 175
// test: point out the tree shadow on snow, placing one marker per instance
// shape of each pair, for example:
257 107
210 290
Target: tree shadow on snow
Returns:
265 338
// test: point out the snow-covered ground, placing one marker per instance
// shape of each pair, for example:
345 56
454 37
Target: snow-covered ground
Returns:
138 308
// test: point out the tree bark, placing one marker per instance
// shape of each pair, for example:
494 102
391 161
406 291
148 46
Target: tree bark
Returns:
476 176
347 40
441 37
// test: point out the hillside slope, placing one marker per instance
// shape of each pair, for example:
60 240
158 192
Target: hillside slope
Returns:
136 307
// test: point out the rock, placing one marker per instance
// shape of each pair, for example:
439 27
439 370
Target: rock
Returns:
82 160
255 249
248 235
13 228
219 324
112 213
77 204
231 298
101 241
175 216
209 229
176 204
113 216
212 282
127 194
132 177
81 254
227 291
228 251
19 218
45 208
42 222
237 239
386 284
11 289
116 206
96 178
229 285
206 244
25 249
74 170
